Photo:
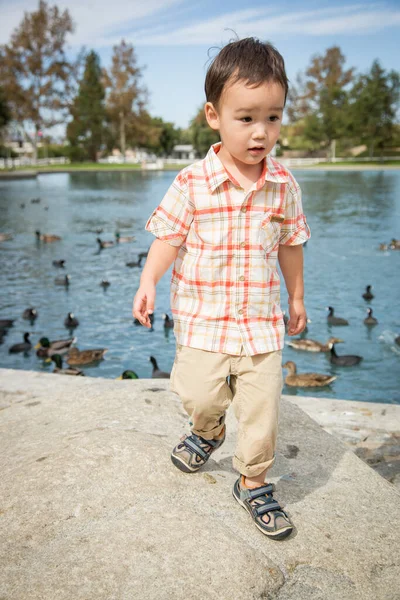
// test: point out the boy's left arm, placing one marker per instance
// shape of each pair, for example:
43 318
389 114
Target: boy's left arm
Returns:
291 263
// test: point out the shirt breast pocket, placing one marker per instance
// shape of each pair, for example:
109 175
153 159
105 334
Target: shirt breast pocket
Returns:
270 231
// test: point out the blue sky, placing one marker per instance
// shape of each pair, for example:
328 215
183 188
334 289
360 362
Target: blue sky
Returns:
172 38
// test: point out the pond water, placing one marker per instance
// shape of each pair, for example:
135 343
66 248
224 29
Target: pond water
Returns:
350 213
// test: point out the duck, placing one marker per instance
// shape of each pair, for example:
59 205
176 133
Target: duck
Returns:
157 374
168 322
144 254
57 359
128 374
30 314
346 360
332 320
63 280
23 346
85 357
313 345
368 295
383 247
45 348
106 244
105 283
295 379
134 264
47 237
5 236
370 320
59 263
394 244
71 321
123 239
6 323
151 318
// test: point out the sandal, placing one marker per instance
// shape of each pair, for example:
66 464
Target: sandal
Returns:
194 451
260 501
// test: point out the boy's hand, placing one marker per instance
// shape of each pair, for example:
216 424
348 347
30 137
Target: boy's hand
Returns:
143 303
298 317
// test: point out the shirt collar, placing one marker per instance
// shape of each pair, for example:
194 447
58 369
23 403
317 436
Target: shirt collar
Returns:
215 172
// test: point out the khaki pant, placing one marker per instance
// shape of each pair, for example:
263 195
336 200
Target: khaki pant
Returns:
199 377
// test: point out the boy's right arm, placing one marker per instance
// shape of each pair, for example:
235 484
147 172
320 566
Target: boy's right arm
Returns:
160 258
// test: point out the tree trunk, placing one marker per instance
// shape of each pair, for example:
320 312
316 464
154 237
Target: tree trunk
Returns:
122 132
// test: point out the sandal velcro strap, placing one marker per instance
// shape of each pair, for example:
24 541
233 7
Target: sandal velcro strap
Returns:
197 448
260 491
264 508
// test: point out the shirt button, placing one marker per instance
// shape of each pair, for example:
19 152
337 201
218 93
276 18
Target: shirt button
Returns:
241 278
243 209
240 312
243 244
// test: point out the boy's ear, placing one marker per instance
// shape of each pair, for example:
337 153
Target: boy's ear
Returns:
211 115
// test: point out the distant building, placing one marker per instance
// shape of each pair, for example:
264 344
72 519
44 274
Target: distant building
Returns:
184 151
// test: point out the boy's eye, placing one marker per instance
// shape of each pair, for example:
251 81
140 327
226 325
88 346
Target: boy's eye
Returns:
274 118
246 119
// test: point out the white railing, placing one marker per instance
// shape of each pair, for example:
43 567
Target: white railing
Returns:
10 163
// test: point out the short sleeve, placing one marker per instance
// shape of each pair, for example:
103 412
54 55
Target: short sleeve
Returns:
171 220
294 229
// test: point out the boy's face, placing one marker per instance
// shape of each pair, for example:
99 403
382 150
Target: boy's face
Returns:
248 119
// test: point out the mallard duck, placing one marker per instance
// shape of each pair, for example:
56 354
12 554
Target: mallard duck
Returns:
157 374
63 280
30 314
59 263
5 236
370 320
394 244
46 348
346 360
57 359
128 374
313 345
132 263
368 295
123 239
168 322
70 321
6 323
105 283
47 237
151 319
383 247
85 357
332 320
23 346
107 244
295 379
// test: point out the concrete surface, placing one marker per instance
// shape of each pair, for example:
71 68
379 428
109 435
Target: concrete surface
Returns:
92 508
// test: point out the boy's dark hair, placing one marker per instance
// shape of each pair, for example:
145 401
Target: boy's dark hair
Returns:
250 60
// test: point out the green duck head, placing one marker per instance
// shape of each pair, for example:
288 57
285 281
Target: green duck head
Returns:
44 342
57 359
128 374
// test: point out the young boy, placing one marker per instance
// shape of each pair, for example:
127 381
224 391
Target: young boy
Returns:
224 222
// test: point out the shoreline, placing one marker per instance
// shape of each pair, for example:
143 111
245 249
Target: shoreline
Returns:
33 173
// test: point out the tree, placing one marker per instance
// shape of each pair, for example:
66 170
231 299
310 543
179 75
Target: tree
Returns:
88 111
321 97
35 74
5 113
202 134
374 102
124 93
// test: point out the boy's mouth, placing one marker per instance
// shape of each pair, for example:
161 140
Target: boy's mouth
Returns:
257 149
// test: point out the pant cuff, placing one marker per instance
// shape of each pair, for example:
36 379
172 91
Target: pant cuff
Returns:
252 470
211 433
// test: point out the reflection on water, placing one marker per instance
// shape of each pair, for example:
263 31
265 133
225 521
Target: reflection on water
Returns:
350 214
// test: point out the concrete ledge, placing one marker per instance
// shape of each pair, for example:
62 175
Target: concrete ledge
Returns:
92 508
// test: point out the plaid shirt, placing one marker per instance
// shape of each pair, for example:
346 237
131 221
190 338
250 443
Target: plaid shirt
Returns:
225 288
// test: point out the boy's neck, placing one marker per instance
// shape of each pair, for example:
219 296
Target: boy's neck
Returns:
245 174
